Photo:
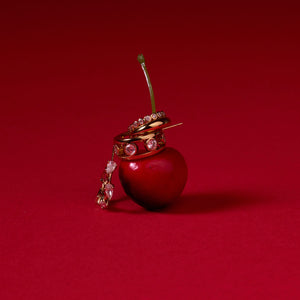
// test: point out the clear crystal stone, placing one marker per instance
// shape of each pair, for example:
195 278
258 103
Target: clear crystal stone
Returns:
111 166
159 114
135 124
147 119
154 116
109 189
151 144
130 149
141 121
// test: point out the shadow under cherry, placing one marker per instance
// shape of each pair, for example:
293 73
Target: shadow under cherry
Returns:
197 203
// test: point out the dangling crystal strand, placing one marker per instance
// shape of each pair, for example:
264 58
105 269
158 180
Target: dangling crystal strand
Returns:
106 191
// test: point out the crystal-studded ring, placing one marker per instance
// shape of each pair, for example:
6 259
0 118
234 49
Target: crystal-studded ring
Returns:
149 122
139 146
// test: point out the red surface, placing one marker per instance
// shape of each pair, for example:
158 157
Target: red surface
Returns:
70 82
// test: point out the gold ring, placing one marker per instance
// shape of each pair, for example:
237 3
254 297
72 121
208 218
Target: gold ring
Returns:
133 146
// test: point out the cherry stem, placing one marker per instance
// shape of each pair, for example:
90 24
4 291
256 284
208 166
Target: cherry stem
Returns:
141 60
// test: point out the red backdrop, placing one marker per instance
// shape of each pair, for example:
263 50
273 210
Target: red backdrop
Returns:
70 81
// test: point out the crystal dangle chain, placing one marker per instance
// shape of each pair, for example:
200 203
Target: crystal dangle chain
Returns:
106 191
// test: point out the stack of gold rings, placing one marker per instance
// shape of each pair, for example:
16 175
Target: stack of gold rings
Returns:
144 137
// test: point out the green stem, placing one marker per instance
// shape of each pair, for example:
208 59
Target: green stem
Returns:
141 60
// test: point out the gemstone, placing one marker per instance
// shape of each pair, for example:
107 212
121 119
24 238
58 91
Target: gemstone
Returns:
111 166
135 124
130 149
159 114
163 114
147 119
109 189
141 121
151 144
154 116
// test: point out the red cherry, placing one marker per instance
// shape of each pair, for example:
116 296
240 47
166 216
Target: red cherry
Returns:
156 181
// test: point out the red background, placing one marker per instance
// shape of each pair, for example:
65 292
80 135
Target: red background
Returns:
70 81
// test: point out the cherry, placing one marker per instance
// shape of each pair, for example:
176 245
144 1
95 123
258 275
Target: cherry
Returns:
151 174
156 181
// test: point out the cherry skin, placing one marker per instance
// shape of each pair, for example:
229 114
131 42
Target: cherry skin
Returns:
156 181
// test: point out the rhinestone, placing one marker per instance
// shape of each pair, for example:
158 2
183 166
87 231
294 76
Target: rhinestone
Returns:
159 114
163 114
135 124
151 144
141 121
147 119
130 149
109 190
154 116
111 166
